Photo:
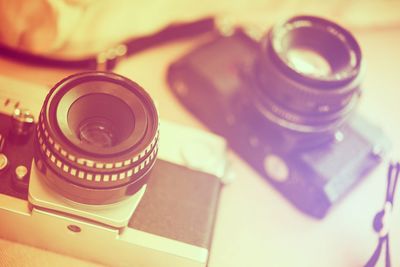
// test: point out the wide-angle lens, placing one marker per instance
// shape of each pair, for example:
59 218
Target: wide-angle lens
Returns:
97 137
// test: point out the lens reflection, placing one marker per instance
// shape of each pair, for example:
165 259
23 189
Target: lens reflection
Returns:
97 132
308 61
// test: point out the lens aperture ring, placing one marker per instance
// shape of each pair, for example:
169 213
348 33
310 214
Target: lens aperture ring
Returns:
301 124
78 168
87 162
301 98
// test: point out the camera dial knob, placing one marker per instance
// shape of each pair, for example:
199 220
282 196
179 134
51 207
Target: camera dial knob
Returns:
22 122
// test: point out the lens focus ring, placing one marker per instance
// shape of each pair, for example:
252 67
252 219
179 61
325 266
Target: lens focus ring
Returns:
91 170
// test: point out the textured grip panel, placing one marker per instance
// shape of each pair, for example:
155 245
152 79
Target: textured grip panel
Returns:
179 204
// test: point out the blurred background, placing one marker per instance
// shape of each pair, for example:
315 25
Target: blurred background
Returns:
244 236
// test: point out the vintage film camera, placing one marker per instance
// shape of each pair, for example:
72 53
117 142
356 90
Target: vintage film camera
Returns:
285 105
84 180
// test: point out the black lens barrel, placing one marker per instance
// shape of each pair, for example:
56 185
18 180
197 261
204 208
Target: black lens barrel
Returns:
303 101
90 173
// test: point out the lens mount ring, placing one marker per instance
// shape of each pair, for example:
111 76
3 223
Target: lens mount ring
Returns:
302 98
77 166
279 115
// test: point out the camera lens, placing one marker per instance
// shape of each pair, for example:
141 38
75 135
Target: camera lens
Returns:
97 137
308 75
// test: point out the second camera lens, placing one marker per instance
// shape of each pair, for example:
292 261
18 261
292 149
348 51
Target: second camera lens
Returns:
308 75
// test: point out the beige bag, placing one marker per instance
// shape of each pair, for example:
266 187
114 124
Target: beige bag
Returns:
77 27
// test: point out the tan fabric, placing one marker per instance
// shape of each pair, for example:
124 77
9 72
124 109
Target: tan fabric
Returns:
83 26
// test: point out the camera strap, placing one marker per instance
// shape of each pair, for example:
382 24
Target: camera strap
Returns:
108 59
381 223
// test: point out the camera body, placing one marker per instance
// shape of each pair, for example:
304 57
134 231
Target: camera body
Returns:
167 222
218 83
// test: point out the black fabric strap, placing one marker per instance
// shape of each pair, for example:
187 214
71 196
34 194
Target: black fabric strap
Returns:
382 218
108 59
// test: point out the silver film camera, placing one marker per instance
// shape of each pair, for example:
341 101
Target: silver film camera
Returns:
87 171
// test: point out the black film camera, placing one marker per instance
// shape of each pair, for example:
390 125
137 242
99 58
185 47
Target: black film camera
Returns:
95 189
285 104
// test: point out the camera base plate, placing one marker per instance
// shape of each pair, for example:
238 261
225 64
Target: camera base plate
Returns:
94 242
